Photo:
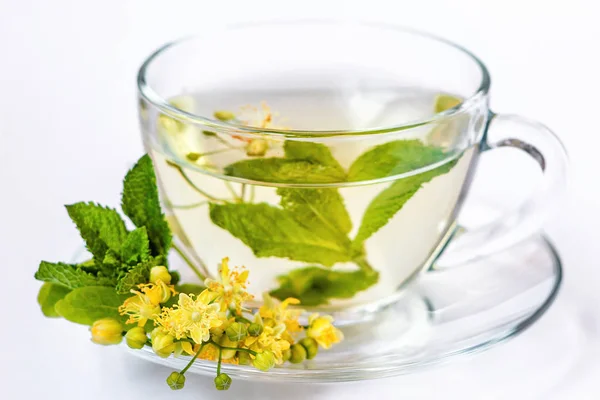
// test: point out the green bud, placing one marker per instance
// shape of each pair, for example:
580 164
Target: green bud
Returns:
163 345
243 358
160 272
286 354
298 353
222 381
311 346
107 331
257 147
264 361
236 332
255 329
136 337
193 156
224 115
209 133
176 381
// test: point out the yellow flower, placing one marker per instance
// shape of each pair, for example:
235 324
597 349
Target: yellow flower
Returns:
277 313
191 317
141 307
322 330
231 287
269 340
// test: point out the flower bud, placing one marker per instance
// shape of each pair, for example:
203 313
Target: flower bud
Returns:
160 272
224 115
107 331
311 346
255 329
222 381
227 354
163 345
298 353
236 332
286 354
264 361
176 381
257 147
136 337
243 358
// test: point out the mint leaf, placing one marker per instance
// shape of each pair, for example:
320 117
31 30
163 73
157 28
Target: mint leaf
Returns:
88 304
141 204
136 247
394 158
137 274
282 170
49 295
70 276
273 232
320 210
314 153
102 228
387 203
315 286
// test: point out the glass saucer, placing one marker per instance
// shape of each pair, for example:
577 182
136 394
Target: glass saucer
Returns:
442 314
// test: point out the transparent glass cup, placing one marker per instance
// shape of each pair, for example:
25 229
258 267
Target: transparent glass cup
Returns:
331 159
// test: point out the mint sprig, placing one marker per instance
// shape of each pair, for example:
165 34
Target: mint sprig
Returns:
313 225
121 259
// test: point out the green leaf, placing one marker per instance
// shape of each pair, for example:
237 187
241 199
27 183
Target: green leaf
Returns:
88 304
102 228
70 276
273 232
282 170
49 295
315 286
314 153
141 204
136 247
111 262
190 288
320 210
137 274
387 203
394 158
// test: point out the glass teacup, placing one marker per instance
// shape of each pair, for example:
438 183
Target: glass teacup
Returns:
333 167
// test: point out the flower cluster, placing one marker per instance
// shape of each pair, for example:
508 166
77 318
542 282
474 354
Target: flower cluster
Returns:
215 325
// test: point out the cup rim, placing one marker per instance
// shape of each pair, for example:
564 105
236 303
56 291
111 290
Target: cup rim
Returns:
153 97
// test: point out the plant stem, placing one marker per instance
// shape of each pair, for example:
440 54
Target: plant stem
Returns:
231 348
189 206
237 198
364 265
193 185
188 262
192 360
252 194
219 364
243 192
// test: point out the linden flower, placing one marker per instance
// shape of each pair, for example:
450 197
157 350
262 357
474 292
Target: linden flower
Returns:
231 287
275 314
322 330
191 317
145 304
269 340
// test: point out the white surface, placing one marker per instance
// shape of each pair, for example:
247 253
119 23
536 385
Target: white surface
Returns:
69 131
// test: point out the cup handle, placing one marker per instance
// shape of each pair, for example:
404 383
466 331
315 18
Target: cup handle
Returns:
546 149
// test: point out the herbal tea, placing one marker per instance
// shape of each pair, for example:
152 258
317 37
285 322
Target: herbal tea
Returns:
331 225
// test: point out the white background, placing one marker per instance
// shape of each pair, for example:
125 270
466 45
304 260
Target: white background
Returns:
68 130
